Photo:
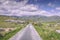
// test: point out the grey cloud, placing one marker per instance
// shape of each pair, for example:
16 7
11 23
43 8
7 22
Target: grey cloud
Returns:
30 10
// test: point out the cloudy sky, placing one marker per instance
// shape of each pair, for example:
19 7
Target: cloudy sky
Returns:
30 7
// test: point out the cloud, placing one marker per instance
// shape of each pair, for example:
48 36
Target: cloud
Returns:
51 4
30 8
57 8
21 8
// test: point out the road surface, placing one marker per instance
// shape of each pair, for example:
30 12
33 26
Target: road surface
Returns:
28 33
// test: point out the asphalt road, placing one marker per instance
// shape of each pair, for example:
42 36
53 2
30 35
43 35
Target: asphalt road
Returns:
28 33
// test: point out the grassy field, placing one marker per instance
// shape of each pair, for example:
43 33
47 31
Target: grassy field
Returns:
10 34
4 24
48 32
15 25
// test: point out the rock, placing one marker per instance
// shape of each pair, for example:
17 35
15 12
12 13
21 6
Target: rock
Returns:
58 31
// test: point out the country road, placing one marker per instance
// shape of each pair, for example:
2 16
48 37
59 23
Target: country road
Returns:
28 33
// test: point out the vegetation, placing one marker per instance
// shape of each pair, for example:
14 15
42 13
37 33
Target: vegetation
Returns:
45 26
48 32
10 34
15 25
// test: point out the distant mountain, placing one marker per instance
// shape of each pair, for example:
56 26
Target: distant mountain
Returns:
42 18
38 18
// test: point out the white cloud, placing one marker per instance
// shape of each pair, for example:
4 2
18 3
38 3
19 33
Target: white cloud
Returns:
20 8
29 8
57 8
51 4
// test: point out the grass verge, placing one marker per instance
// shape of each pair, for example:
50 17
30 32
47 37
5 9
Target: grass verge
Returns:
10 34
47 33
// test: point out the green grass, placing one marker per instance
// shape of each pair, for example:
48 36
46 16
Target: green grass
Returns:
10 34
4 24
47 33
10 25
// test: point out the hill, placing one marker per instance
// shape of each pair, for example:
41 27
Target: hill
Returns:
34 18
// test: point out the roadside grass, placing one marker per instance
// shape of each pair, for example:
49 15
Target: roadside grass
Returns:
10 34
47 33
7 35
3 24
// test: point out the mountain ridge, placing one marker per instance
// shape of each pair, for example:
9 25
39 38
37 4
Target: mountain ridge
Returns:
38 18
